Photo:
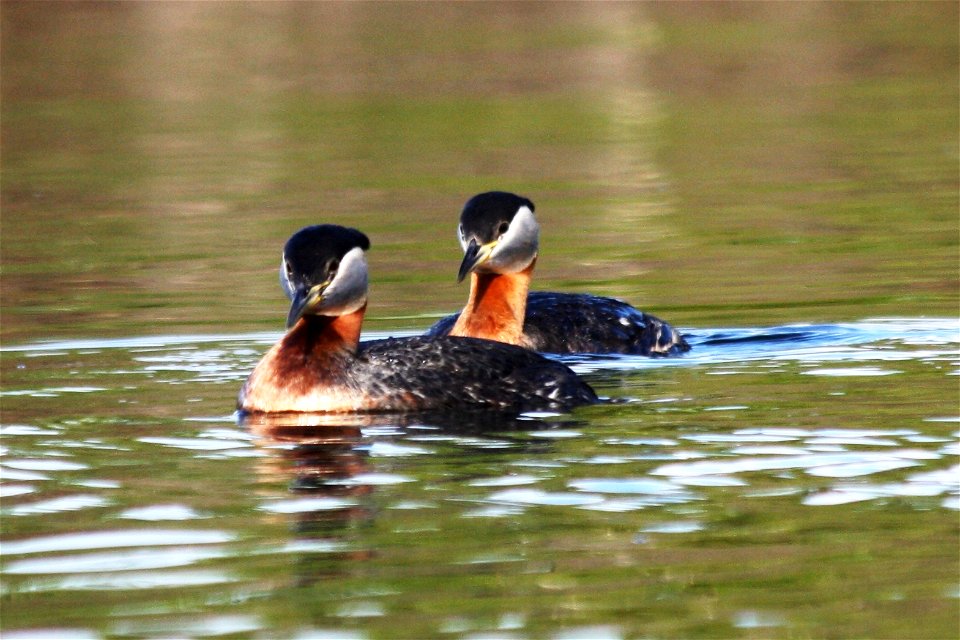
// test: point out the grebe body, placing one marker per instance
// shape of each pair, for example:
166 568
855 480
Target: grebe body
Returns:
565 323
320 365
500 238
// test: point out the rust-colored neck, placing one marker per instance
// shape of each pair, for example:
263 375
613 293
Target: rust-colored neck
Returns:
306 362
318 340
323 334
496 307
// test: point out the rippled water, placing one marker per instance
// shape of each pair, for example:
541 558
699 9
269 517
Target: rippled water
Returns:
741 487
769 176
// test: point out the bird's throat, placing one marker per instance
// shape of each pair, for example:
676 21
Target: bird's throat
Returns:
307 368
496 307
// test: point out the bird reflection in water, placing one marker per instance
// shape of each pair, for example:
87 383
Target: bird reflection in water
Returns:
324 457
317 456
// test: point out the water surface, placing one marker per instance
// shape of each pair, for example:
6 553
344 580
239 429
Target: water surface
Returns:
793 480
778 180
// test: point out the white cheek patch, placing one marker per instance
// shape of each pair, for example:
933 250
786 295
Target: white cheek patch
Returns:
523 228
348 290
285 283
518 246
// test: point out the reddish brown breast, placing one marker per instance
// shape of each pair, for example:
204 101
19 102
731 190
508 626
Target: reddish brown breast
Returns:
308 369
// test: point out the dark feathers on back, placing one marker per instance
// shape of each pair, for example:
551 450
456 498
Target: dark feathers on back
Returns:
583 323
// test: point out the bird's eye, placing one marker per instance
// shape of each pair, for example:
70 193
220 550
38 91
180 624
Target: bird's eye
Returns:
460 232
333 265
502 229
288 268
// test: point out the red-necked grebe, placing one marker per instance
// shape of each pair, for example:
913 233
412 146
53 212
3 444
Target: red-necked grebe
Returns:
500 239
320 365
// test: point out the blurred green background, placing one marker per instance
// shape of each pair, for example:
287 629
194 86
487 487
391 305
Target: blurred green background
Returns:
714 164
717 164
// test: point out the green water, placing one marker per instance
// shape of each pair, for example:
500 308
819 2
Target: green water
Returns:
714 163
726 166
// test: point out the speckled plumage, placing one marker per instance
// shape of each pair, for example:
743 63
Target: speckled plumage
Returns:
319 365
582 323
443 373
500 238
407 374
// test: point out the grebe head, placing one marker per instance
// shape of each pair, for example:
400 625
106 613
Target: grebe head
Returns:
498 233
324 271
